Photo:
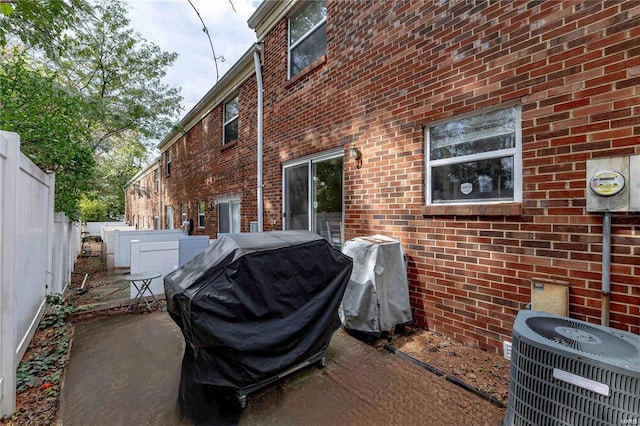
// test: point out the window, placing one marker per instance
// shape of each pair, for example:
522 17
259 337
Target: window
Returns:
475 159
201 209
184 213
230 125
307 35
168 157
229 216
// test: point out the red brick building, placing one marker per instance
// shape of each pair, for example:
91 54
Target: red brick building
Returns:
142 207
470 125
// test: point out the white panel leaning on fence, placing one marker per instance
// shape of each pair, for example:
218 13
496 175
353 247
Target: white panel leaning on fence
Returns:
30 268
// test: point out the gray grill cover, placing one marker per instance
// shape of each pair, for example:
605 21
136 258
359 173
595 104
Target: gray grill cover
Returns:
377 297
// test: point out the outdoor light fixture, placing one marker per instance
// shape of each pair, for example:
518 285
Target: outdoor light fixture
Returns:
356 154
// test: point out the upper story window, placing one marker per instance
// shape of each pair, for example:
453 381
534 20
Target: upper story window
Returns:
307 35
475 159
168 156
230 125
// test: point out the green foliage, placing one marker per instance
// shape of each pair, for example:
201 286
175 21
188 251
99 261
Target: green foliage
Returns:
92 210
113 171
83 90
6 9
47 362
122 73
57 313
49 119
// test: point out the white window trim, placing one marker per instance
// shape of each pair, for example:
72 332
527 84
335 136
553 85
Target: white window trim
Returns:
290 47
516 152
168 163
235 117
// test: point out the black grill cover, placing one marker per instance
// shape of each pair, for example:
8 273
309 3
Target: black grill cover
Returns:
252 306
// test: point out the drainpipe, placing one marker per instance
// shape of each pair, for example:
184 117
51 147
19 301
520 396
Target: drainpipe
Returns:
256 59
606 267
159 191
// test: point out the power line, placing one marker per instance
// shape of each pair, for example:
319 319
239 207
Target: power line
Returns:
206 31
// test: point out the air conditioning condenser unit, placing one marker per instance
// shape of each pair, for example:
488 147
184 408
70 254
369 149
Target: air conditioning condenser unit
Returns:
570 372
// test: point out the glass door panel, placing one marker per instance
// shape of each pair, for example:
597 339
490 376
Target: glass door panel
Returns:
296 197
327 200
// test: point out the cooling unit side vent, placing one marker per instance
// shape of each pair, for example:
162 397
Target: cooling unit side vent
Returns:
569 372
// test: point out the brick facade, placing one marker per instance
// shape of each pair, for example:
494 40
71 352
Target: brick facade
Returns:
142 205
204 169
393 67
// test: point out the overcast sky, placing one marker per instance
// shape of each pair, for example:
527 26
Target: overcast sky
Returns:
174 26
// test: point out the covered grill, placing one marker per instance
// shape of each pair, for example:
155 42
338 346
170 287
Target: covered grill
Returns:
254 307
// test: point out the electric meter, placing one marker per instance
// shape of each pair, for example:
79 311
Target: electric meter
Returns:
606 183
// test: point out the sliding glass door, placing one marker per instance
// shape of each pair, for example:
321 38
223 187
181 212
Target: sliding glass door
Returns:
313 196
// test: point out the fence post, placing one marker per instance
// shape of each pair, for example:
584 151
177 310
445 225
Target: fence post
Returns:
9 160
50 230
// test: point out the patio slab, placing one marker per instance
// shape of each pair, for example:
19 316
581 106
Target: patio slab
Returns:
125 370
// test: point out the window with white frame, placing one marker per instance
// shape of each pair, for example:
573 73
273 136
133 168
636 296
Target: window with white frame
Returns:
229 216
230 125
475 158
168 157
202 206
307 35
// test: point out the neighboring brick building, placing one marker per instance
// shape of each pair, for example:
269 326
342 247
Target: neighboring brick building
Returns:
142 198
471 124
209 163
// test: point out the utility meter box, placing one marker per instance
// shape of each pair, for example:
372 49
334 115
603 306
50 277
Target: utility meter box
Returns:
634 183
613 184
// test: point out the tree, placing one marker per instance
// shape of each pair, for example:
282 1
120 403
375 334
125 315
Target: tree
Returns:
49 119
92 210
122 74
112 80
113 171
39 24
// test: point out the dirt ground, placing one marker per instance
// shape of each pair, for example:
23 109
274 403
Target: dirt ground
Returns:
473 368
487 372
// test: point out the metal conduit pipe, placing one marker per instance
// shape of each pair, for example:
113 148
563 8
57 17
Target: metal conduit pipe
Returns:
606 267
256 59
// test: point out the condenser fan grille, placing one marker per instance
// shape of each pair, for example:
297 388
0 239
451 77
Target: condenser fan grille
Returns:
582 337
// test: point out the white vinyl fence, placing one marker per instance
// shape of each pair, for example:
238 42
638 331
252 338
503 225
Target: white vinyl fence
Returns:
94 229
164 257
30 268
117 242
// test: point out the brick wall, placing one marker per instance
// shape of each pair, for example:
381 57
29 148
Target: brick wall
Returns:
142 201
392 67
203 169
